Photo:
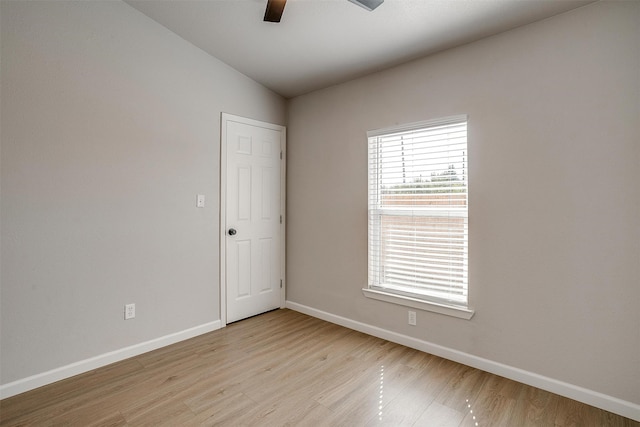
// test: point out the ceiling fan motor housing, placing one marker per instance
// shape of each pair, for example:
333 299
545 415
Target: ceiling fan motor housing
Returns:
367 4
275 8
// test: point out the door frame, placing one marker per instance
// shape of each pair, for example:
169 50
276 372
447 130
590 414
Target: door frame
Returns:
224 119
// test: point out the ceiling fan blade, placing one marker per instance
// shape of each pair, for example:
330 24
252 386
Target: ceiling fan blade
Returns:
274 10
367 4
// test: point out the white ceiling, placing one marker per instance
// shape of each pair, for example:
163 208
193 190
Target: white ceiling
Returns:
320 43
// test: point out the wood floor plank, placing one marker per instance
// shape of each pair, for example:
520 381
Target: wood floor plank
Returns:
494 403
284 368
368 399
406 409
535 407
66 391
463 387
224 409
438 415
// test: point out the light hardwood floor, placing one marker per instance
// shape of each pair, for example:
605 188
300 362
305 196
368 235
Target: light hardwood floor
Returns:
286 368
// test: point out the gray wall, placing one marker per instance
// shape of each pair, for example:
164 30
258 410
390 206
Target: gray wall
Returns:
110 127
554 152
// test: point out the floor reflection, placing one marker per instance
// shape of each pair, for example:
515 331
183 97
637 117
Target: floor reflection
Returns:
471 413
380 403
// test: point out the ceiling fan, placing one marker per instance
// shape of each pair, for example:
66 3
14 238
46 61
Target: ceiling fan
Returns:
274 10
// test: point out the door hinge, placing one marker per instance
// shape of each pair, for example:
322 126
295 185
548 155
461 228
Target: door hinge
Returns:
280 154
280 283
280 219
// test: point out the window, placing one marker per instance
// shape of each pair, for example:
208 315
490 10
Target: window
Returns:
418 221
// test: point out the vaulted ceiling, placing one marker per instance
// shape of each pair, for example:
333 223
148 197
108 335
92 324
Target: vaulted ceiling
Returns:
320 43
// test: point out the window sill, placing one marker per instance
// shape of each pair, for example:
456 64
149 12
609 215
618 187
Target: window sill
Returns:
448 310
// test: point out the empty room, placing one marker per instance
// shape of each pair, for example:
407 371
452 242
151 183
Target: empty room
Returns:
320 212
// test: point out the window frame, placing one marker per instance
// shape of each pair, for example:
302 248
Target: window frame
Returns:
396 296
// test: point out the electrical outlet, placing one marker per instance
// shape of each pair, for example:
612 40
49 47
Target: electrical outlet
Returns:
412 318
129 311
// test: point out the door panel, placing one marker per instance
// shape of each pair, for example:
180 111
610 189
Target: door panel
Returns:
252 209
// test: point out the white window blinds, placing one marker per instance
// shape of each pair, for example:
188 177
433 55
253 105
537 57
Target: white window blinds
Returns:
418 227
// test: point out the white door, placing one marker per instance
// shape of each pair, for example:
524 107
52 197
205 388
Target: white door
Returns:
252 246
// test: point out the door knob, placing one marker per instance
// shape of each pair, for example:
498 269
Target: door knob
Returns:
232 232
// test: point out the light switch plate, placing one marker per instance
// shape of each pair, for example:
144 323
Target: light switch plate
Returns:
200 201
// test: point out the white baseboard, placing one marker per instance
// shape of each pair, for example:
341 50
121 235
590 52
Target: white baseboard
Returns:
590 397
38 380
